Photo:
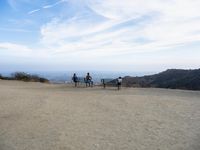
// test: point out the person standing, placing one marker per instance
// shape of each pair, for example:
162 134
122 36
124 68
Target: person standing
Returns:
119 83
75 79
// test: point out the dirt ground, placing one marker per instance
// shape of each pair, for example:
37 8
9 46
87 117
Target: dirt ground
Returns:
35 116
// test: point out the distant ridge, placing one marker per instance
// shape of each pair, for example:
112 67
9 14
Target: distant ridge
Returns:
171 78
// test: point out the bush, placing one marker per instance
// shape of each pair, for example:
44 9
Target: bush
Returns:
27 77
21 76
43 80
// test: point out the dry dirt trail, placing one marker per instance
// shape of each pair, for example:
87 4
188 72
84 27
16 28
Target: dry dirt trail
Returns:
35 116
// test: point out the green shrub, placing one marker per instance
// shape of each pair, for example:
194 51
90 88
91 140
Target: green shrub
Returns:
27 77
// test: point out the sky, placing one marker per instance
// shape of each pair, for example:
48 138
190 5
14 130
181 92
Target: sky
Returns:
109 35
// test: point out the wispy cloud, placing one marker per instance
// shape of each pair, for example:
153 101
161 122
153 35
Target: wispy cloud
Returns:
12 3
47 6
16 3
33 11
96 29
52 5
163 28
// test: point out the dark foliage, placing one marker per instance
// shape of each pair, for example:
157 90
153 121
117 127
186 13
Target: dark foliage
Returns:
27 77
21 76
172 78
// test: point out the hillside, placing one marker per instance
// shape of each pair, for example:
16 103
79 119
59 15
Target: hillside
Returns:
171 78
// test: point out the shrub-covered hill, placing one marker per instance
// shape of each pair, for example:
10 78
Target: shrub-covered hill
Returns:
171 78
21 76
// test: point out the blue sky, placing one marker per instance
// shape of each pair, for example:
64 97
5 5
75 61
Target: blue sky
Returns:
112 35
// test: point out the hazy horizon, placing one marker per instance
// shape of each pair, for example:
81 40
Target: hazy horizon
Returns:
63 76
101 35
66 75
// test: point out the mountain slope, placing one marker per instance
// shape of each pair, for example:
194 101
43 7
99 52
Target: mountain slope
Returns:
171 78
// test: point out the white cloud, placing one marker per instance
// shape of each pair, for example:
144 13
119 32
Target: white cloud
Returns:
117 9
11 49
126 8
114 28
168 24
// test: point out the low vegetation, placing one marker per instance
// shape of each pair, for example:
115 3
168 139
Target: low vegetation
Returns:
22 76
